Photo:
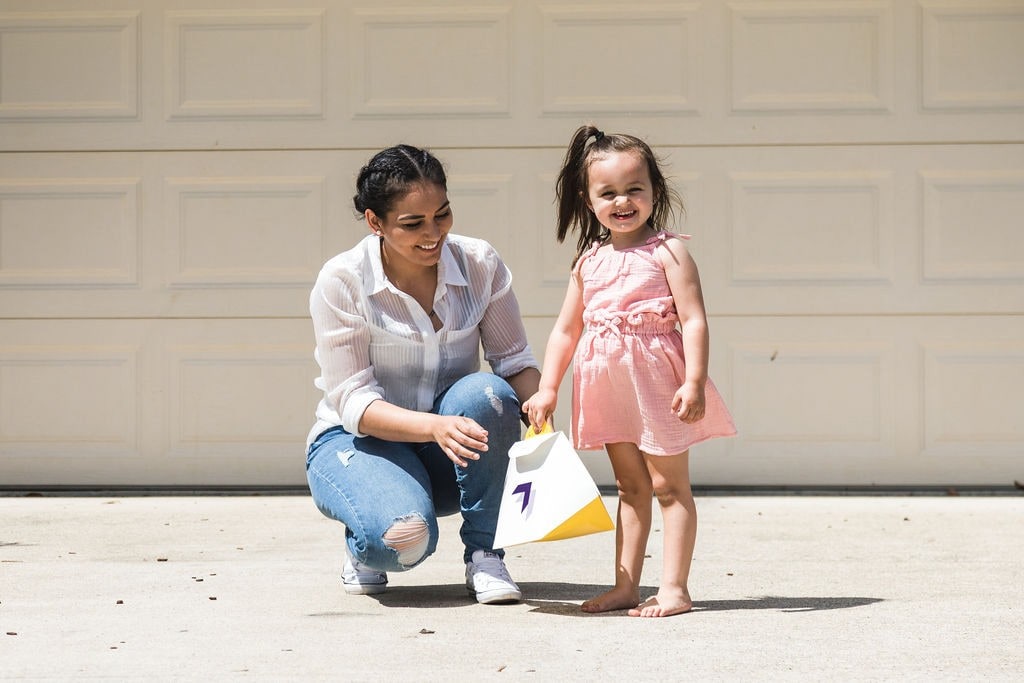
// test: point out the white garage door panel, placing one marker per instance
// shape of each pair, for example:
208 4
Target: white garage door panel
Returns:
70 389
181 74
964 390
867 400
895 229
909 229
136 402
90 225
841 401
151 234
66 65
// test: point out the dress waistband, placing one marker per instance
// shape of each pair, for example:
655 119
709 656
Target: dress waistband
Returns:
622 322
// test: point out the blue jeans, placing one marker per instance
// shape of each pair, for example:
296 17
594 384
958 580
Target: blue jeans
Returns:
369 484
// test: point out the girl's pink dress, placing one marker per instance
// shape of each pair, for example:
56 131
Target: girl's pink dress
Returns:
629 361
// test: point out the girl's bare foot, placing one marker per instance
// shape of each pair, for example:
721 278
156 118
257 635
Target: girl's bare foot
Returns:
664 604
616 598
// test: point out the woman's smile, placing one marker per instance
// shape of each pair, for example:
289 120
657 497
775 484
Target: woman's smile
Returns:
415 230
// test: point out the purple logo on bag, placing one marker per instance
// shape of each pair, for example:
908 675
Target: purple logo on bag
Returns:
524 488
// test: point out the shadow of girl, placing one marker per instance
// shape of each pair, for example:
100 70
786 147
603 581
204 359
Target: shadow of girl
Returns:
554 598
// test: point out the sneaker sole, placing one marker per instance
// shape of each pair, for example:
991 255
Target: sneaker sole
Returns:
365 588
502 597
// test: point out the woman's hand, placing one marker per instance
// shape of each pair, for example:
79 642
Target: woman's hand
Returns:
540 407
459 438
688 403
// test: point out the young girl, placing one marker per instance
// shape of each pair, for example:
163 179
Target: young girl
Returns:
633 322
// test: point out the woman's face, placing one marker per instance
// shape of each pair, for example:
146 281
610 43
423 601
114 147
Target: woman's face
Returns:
416 226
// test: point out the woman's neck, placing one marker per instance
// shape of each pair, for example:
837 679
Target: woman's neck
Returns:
419 282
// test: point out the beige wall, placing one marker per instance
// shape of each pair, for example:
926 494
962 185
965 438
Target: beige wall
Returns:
173 173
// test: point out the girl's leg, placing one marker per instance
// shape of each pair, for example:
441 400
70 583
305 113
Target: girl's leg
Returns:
491 402
633 525
671 478
380 491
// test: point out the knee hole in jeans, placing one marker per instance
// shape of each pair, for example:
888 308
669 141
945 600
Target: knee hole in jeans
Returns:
409 538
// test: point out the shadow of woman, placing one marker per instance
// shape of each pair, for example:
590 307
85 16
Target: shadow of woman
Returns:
427 596
549 597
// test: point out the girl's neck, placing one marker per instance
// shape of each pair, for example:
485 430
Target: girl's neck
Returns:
628 240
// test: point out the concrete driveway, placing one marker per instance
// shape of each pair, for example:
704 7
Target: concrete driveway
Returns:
247 588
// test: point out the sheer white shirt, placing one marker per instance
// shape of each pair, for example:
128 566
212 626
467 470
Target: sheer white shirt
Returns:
374 342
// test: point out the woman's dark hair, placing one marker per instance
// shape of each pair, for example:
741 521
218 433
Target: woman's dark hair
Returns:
389 175
574 212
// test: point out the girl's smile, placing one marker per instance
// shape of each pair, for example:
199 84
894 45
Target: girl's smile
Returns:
620 194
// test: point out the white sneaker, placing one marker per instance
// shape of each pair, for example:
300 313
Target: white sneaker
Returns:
359 579
487 576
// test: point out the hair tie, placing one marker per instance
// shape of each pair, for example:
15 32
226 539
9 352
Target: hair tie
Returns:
598 136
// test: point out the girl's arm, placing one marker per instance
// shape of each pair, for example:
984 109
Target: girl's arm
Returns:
684 282
558 354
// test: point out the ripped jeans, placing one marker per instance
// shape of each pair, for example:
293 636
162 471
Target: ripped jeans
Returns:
390 494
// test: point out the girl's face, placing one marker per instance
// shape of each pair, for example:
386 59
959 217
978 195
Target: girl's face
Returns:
619 191
415 228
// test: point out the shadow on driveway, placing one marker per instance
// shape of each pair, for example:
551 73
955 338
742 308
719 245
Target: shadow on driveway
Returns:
565 598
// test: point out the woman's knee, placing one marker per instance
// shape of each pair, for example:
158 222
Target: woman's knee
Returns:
483 396
347 481
400 545
409 538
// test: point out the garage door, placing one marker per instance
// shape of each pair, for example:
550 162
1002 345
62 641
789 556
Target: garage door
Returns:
173 173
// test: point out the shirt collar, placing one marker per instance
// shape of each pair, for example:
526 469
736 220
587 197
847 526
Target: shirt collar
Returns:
448 271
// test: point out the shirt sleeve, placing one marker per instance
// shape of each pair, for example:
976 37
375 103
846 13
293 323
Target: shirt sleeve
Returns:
343 348
502 334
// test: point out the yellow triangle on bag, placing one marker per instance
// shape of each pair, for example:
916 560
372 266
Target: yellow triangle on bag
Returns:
591 519
531 432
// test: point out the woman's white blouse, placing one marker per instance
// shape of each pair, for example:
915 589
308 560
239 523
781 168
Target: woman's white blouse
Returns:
374 342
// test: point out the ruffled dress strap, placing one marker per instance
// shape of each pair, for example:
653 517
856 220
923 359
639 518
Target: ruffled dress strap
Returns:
585 255
662 235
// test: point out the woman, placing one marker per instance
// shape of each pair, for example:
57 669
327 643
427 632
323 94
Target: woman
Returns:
409 428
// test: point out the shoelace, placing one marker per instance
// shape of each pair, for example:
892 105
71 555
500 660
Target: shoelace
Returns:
492 565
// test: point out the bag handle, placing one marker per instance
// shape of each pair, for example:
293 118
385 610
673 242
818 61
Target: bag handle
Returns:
546 430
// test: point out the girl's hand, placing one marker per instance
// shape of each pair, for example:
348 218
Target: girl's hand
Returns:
540 407
688 403
459 438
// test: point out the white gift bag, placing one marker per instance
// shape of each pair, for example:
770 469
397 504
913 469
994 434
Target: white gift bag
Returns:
549 494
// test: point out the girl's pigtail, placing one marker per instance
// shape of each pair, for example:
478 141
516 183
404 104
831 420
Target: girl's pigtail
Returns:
570 190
